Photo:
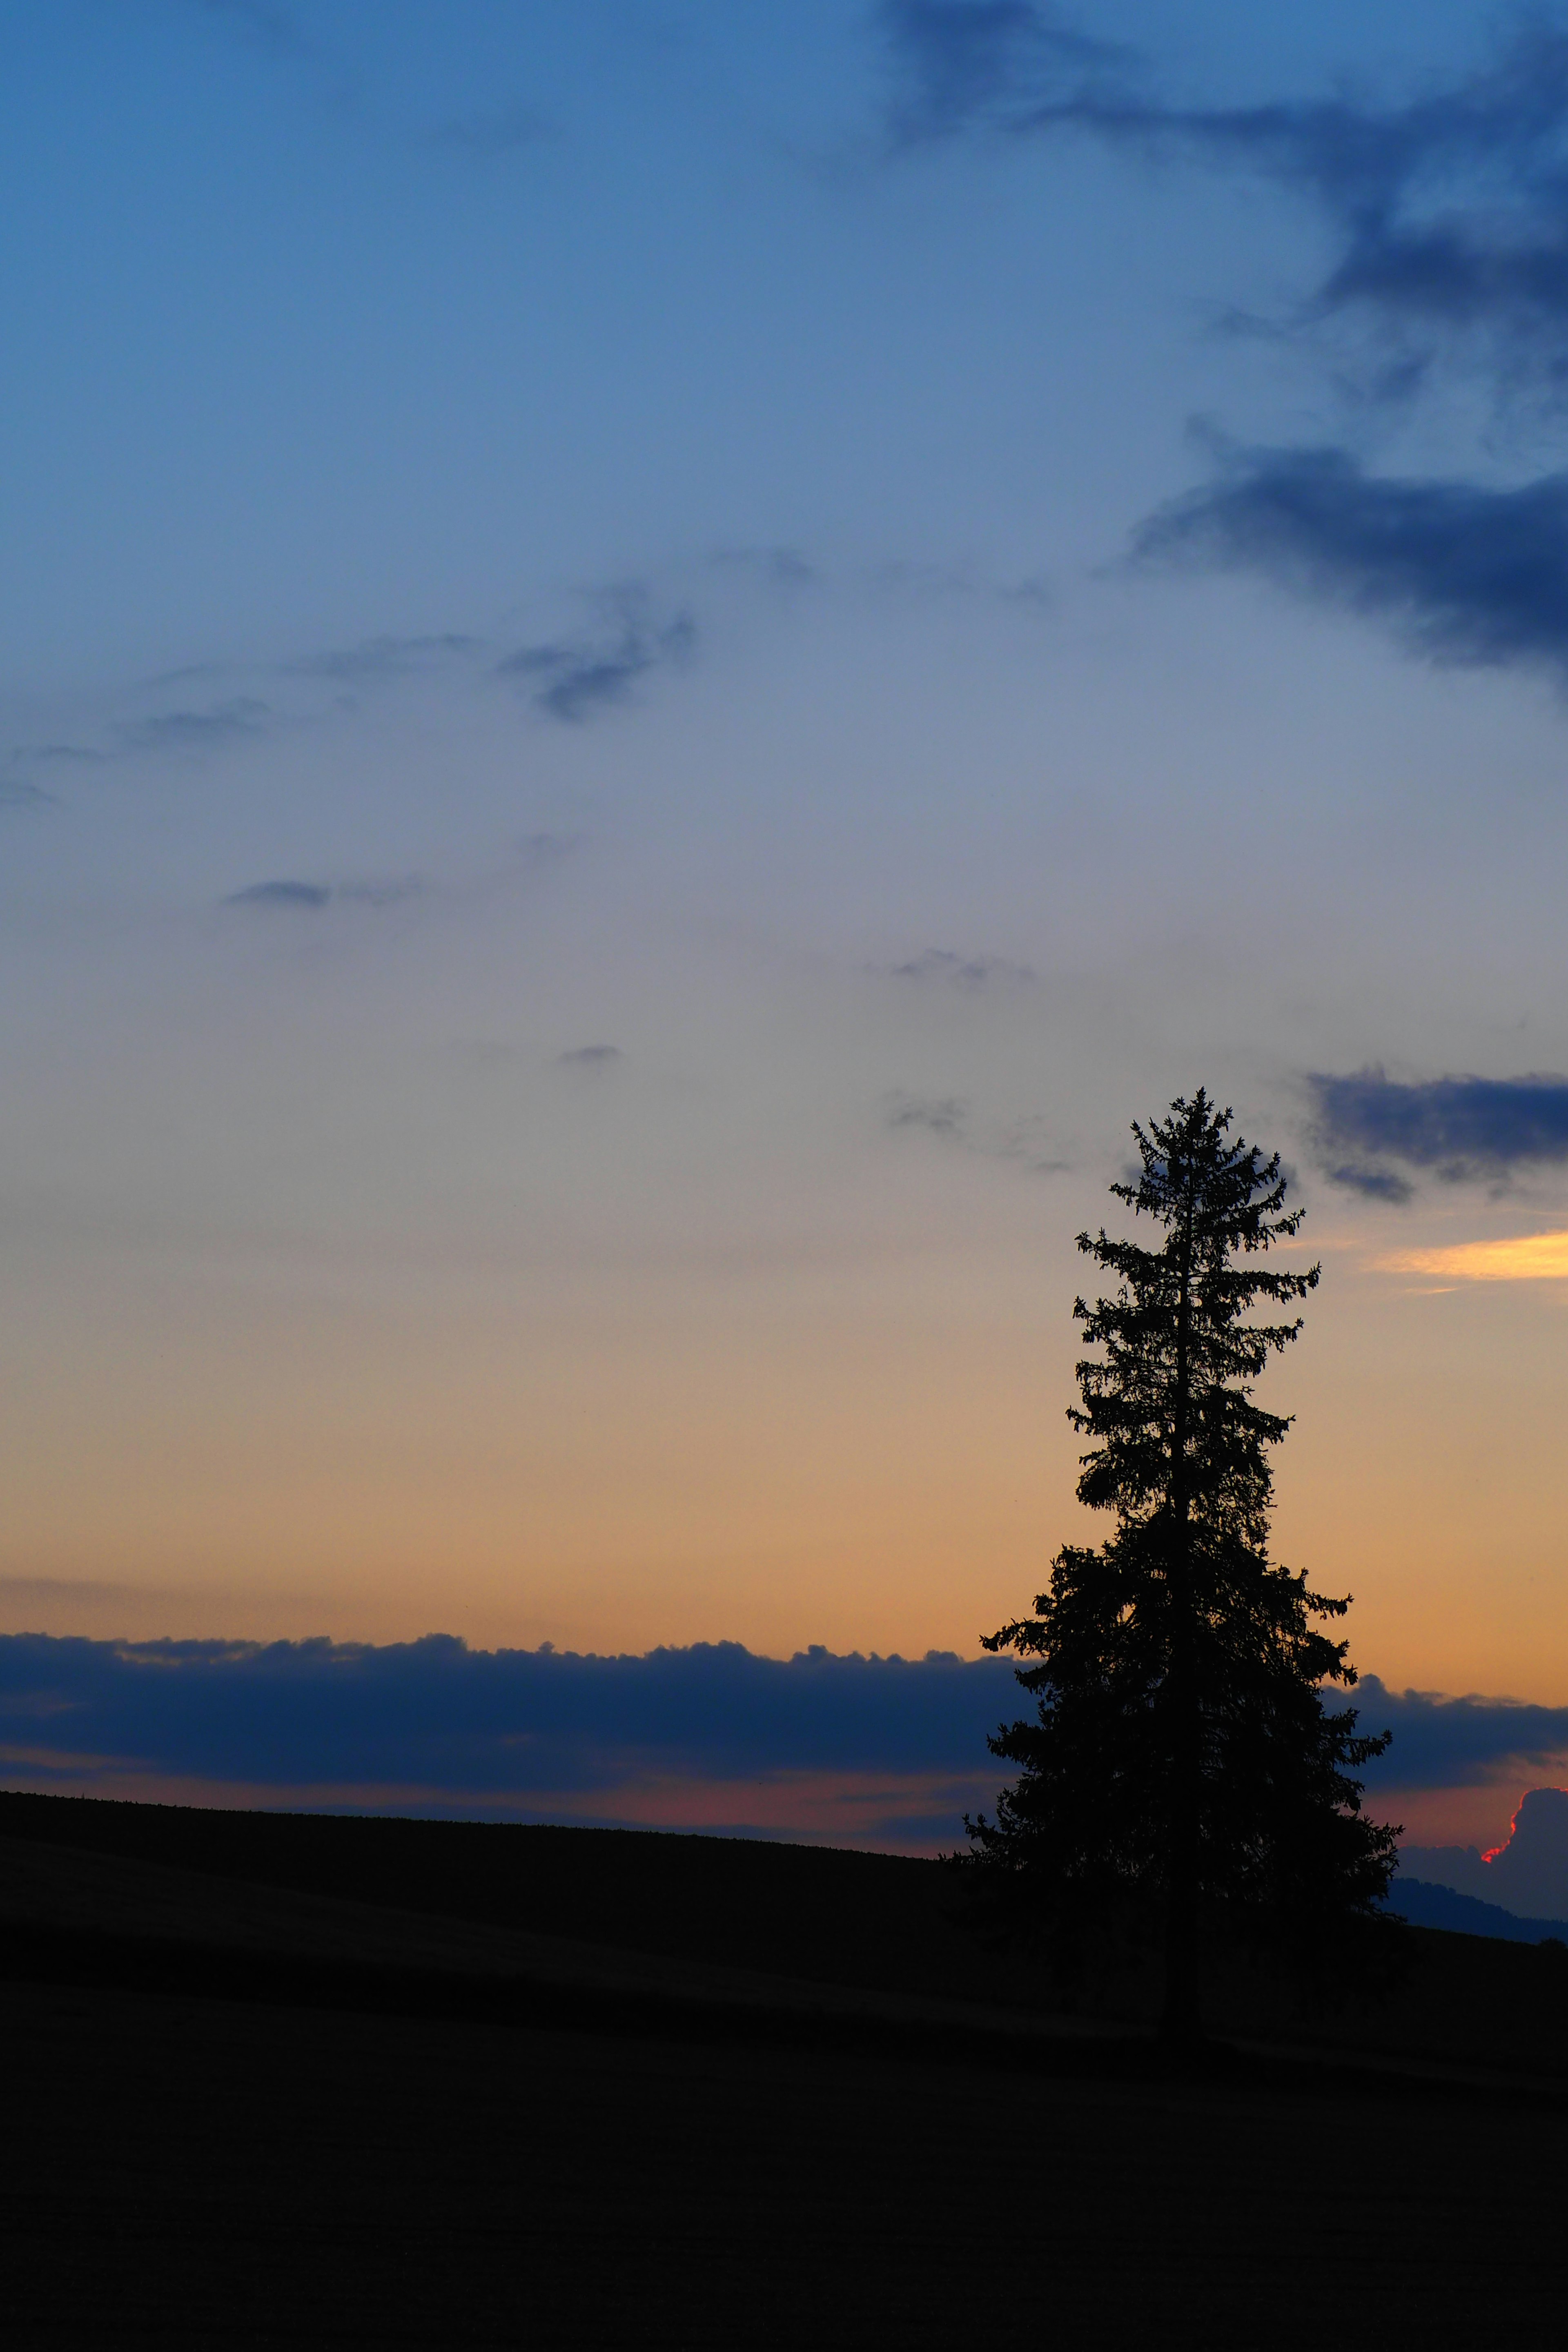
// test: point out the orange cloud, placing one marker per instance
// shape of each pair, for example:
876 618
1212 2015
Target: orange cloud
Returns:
1526 1257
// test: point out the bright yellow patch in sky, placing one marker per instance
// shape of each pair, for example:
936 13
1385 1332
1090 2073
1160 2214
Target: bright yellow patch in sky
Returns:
1529 1257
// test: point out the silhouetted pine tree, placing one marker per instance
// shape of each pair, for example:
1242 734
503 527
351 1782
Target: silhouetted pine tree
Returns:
1182 1764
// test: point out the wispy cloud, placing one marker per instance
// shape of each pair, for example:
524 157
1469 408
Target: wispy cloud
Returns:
236 720
944 967
590 1057
310 898
65 755
541 851
951 1118
1448 214
780 567
165 715
305 895
938 1114
968 65
378 657
278 28
1447 208
1370 1129
241 719
576 679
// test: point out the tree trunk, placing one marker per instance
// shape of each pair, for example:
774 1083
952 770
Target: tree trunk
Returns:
1180 2020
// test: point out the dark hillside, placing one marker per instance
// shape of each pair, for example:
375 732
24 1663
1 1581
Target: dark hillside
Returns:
875 1920
327 2081
549 1899
1439 1906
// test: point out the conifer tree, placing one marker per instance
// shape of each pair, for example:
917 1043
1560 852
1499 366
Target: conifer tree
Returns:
1183 1766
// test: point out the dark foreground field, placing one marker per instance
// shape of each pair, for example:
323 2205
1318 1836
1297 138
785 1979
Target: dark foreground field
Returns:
299 2083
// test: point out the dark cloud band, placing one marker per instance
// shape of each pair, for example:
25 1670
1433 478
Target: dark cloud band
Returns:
1457 1743
477 1727
436 1713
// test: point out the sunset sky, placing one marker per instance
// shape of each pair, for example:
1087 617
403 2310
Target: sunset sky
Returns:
662 658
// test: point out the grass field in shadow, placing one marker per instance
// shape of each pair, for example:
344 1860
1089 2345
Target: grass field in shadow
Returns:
302 2080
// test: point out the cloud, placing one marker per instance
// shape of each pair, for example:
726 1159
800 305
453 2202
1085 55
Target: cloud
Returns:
223 722
15 794
1525 1257
50 1591
590 1057
948 970
480 1727
1457 1128
312 895
940 1114
1466 574
58 754
1447 207
965 65
576 679
281 894
949 1117
781 567
1448 219
673 1734
1455 1743
241 719
1450 206
382 658
543 850
1374 1184
436 1710
677 1735
1527 1874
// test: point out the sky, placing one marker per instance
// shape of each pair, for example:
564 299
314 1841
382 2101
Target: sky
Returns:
661 659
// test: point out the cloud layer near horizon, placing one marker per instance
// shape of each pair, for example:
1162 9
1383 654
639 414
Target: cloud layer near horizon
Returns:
882 1750
434 1726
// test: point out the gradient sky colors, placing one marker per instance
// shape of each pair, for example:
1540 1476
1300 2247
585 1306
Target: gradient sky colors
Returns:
661 660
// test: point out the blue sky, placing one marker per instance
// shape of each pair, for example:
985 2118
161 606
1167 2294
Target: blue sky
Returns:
661 661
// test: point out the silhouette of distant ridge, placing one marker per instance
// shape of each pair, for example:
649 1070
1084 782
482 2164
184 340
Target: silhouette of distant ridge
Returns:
1527 1874
1426 1906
